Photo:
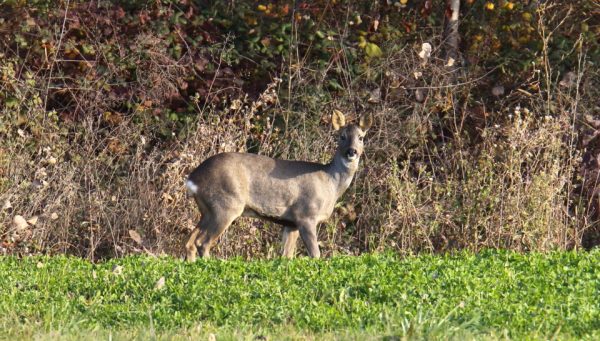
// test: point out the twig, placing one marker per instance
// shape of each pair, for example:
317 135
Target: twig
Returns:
62 33
454 85
209 93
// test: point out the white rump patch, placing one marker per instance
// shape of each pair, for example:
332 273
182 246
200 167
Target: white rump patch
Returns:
191 186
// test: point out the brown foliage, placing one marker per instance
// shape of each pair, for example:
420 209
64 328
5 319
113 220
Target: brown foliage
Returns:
104 115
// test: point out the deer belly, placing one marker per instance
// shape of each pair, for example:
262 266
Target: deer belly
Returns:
248 212
264 211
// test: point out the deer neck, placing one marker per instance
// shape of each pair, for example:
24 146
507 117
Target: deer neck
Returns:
342 172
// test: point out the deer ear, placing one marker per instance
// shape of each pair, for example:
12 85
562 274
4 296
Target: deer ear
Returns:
365 122
338 120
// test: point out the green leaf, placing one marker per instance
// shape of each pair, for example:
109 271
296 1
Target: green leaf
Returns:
334 85
12 102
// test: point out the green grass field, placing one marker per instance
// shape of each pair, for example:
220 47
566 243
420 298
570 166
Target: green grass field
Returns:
491 295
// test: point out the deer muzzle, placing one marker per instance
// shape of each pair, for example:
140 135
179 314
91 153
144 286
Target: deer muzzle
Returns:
351 154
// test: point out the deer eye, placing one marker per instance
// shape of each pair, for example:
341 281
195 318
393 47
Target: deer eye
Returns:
360 138
343 137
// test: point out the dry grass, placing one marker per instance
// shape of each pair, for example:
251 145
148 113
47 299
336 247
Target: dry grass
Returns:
445 171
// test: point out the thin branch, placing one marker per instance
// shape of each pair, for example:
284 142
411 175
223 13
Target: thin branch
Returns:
454 85
62 33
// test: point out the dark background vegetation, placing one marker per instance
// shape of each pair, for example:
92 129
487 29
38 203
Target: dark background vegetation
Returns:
106 106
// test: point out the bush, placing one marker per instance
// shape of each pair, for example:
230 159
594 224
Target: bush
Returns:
106 107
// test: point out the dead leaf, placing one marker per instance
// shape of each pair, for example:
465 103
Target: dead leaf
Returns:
120 13
160 283
420 95
498 90
569 79
183 85
394 80
201 63
115 146
594 122
51 160
235 105
144 17
33 220
20 223
375 96
7 205
135 236
266 41
41 173
425 52
167 198
37 184
117 269
350 212
112 118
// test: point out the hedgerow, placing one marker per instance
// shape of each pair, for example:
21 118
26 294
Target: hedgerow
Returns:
106 106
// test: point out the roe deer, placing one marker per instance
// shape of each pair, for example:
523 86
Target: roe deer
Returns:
296 194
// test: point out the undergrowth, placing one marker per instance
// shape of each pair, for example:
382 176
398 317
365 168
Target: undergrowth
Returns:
105 108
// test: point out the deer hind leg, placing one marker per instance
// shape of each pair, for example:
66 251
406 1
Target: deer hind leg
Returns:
213 227
190 246
290 236
308 232
192 243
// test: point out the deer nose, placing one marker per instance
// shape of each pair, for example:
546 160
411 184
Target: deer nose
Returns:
351 152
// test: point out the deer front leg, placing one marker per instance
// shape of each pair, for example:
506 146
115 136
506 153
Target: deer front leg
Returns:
308 232
290 236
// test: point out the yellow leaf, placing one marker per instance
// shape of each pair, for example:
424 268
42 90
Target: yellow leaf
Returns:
584 27
373 50
489 6
362 42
